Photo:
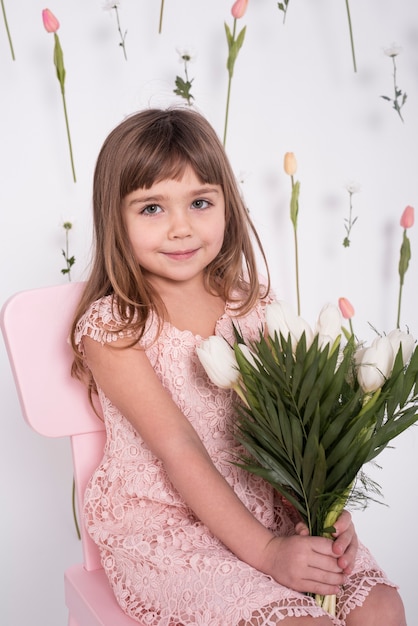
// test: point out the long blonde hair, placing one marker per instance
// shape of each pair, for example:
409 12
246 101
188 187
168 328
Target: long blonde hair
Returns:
146 148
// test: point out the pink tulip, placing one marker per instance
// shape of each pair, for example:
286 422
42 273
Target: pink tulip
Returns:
407 219
346 308
50 21
238 8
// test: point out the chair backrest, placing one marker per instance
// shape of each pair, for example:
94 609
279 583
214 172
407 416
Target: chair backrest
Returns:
36 326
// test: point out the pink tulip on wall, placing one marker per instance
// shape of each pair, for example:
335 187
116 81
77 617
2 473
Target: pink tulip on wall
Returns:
51 25
238 9
50 21
234 45
407 219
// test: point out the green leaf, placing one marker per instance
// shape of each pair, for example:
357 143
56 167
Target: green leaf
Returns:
311 451
294 203
240 39
59 61
229 36
405 256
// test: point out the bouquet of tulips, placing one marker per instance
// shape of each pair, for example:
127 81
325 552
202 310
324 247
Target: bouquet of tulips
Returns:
316 405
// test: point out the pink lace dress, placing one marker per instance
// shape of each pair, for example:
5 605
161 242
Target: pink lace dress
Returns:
165 567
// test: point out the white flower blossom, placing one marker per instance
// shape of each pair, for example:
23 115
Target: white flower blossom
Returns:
375 365
218 359
399 338
353 187
186 55
393 50
328 326
109 5
281 319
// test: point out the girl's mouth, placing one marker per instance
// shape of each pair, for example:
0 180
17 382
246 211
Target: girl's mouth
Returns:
181 255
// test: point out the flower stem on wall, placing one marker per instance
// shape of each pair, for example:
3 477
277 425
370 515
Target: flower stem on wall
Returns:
160 26
7 30
234 45
69 262
353 54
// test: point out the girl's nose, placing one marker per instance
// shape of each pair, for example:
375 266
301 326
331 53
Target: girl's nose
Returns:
180 226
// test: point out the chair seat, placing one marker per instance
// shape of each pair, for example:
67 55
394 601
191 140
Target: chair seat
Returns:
90 599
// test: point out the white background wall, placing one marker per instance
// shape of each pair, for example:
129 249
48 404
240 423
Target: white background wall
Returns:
294 89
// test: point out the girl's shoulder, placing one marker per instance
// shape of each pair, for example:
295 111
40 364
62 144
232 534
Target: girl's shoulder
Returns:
102 322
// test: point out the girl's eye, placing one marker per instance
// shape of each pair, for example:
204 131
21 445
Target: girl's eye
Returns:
200 204
151 209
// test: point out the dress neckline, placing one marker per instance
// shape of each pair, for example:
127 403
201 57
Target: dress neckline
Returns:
198 337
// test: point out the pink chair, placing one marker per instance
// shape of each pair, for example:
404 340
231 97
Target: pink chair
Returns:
35 327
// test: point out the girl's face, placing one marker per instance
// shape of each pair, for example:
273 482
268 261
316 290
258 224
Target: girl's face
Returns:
176 227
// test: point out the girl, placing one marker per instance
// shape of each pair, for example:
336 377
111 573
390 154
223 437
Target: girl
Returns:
186 537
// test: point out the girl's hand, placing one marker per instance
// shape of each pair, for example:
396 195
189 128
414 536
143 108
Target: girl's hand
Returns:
345 542
304 563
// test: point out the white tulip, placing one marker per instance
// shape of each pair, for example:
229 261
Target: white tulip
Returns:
281 319
399 338
328 326
219 361
375 365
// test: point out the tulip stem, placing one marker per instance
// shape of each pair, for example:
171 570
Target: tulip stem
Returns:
294 211
227 109
77 528
160 26
68 132
398 318
297 268
351 35
228 95
405 257
7 29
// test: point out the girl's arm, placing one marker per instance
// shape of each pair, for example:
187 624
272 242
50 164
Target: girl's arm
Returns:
129 381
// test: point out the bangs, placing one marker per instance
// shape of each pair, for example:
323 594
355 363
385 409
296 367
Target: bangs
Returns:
165 150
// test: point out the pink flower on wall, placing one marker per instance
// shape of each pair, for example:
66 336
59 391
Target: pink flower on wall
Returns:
51 25
407 221
234 45
238 9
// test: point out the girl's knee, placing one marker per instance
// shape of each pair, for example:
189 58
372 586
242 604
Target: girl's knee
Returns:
383 605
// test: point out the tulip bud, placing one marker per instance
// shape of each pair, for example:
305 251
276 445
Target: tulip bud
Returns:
328 326
375 365
346 308
238 8
407 219
400 339
290 163
50 21
281 319
219 361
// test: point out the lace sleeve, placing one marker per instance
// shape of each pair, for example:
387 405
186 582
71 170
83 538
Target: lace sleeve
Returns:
100 322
